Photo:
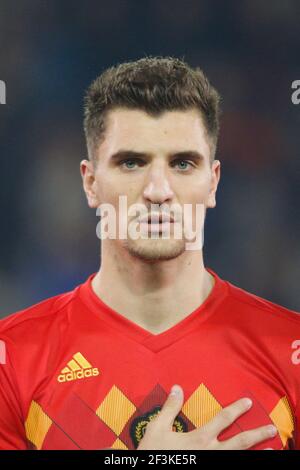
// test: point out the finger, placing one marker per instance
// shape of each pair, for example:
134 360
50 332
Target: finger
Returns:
171 407
226 417
248 439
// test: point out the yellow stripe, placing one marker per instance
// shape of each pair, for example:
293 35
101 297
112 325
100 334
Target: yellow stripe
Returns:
82 361
118 444
282 417
73 365
115 410
37 425
201 407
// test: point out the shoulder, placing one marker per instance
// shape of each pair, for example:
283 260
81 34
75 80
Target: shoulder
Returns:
36 316
255 304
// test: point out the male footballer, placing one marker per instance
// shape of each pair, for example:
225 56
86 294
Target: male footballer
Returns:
155 350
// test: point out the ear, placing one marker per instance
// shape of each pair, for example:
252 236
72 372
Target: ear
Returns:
215 178
87 171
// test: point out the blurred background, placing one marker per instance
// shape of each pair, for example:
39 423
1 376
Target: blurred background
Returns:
49 54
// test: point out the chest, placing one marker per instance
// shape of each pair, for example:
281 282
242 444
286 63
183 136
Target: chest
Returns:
104 398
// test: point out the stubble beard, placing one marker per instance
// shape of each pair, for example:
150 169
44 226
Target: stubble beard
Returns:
151 250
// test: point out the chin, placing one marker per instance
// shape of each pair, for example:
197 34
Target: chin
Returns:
155 250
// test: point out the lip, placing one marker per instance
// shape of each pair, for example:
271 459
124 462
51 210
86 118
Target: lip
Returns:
156 218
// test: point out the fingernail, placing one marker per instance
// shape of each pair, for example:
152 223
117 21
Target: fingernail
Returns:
175 391
248 403
272 430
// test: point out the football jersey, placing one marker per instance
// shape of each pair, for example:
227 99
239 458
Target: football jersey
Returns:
79 375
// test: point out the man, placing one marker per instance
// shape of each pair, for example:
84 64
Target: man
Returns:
93 368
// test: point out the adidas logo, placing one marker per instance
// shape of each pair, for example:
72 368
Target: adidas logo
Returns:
77 368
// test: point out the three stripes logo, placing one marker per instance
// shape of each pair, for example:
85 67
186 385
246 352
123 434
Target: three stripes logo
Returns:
77 368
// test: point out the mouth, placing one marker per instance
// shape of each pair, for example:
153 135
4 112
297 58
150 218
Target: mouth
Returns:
156 218
156 223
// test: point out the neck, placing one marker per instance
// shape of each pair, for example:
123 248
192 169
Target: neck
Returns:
154 295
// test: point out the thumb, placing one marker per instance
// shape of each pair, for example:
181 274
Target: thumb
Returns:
171 407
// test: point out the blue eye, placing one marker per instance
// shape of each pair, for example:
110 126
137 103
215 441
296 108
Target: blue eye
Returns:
129 163
185 162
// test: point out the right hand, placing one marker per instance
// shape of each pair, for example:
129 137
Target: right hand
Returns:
160 436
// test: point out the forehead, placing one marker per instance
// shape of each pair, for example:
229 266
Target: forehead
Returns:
171 131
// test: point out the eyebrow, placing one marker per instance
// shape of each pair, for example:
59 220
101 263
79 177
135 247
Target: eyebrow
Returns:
185 154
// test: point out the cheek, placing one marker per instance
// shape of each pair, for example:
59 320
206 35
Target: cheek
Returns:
121 198
196 192
109 189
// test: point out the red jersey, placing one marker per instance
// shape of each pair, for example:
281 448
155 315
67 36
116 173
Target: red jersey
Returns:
79 375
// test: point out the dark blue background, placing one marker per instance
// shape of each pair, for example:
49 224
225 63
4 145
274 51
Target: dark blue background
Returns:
50 52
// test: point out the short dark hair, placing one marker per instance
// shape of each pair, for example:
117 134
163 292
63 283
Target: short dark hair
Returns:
154 85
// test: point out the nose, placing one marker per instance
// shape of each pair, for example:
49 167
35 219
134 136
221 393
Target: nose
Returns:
158 189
